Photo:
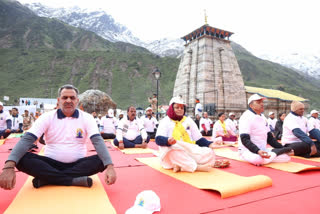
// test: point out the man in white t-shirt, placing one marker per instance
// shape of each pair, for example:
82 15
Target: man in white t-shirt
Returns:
67 131
295 133
272 121
130 132
150 123
232 123
255 135
5 123
109 125
314 121
16 121
205 125
198 108
94 115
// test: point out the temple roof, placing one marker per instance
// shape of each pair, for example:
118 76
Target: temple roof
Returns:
272 93
207 30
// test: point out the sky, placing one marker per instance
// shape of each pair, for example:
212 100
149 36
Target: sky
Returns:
260 26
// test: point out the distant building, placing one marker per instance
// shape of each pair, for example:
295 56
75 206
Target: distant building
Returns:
277 101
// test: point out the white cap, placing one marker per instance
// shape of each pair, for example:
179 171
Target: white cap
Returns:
255 97
177 100
271 113
314 112
120 112
110 113
231 113
146 202
149 108
1 104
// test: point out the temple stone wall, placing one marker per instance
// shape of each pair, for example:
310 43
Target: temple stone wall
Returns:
209 71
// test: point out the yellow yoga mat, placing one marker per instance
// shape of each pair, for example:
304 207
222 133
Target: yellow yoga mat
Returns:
61 199
228 184
288 167
130 151
2 142
310 159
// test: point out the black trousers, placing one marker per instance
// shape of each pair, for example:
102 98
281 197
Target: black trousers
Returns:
56 172
152 135
108 136
303 149
209 133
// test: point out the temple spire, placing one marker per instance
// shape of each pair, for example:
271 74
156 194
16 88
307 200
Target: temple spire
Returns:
205 17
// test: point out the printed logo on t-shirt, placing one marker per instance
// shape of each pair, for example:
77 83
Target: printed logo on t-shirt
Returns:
79 133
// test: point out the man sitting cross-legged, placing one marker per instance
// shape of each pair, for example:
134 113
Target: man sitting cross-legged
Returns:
255 134
67 130
130 132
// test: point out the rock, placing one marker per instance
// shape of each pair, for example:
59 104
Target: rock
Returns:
95 100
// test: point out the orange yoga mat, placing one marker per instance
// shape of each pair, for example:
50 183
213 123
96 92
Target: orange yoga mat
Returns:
61 199
288 167
228 184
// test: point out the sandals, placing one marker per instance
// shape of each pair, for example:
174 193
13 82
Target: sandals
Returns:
221 163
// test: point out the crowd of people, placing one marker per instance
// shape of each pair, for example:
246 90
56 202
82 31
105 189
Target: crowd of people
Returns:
185 144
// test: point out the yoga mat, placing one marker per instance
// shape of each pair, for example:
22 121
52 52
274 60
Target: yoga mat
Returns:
130 151
309 159
288 167
2 142
14 135
61 199
228 184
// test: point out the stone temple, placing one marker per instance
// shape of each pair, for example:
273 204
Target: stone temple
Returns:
210 72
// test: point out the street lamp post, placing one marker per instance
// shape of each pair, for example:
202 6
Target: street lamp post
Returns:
157 74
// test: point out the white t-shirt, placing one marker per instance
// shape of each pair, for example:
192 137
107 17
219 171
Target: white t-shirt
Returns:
207 123
166 127
314 123
198 109
232 124
65 138
15 121
256 126
4 116
272 123
149 123
130 129
217 128
109 124
292 122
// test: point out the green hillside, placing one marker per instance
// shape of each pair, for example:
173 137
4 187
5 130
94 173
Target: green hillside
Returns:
37 55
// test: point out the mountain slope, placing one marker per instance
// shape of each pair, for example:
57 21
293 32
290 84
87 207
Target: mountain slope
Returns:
35 69
32 68
262 73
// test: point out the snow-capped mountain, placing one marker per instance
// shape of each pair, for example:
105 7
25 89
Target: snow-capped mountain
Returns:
308 63
105 26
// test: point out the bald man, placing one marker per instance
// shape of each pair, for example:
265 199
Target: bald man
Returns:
295 133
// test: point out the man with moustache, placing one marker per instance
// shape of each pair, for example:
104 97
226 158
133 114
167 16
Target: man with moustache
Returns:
67 130
130 132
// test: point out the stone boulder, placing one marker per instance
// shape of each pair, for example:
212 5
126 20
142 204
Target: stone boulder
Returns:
95 100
